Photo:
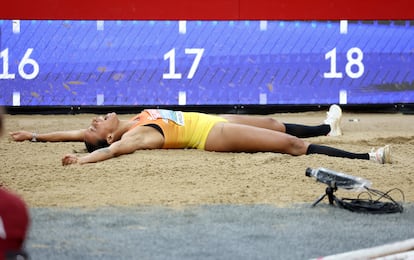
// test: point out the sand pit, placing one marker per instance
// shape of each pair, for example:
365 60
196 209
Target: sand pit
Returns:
190 177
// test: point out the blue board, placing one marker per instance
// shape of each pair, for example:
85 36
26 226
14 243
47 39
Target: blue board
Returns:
97 63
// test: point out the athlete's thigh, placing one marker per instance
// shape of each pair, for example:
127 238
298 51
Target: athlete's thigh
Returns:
258 121
230 137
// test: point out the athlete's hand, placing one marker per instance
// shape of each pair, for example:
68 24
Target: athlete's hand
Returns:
69 159
20 136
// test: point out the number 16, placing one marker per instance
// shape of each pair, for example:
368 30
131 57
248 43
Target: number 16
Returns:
26 60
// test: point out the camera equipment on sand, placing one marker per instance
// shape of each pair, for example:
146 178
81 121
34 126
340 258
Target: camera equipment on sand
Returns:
373 204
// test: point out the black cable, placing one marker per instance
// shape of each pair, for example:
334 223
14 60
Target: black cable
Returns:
370 205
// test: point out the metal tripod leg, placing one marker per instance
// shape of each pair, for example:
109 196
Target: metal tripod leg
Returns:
328 192
318 200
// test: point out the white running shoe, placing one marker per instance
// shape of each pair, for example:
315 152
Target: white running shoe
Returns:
381 155
334 116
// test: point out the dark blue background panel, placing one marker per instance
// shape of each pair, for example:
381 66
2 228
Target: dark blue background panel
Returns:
53 63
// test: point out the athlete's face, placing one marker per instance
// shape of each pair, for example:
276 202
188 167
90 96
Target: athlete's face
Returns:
100 127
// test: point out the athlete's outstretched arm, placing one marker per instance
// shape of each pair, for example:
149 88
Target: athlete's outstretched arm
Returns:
140 138
58 136
102 154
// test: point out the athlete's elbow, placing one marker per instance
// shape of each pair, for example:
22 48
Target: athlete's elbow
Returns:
121 152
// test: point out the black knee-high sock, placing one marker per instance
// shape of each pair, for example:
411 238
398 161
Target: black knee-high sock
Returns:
304 131
330 151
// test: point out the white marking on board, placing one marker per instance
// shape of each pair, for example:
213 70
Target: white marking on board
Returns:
182 98
263 99
16 26
263 25
343 26
182 27
16 98
343 97
100 25
100 99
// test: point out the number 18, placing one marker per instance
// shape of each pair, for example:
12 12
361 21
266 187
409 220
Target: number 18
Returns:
357 61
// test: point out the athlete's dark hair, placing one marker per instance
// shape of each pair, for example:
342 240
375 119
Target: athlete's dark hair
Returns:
102 143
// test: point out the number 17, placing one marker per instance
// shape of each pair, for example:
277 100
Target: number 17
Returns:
198 52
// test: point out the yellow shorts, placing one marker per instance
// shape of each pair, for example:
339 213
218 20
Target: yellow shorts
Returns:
194 132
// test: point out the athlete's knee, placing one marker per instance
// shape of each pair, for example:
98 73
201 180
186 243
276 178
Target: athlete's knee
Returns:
274 124
296 146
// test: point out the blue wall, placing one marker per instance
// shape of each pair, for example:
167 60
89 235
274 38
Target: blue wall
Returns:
241 62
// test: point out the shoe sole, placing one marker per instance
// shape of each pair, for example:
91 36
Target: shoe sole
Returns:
387 154
335 109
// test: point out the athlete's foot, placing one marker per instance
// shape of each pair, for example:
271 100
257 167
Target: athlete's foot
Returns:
381 155
334 116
